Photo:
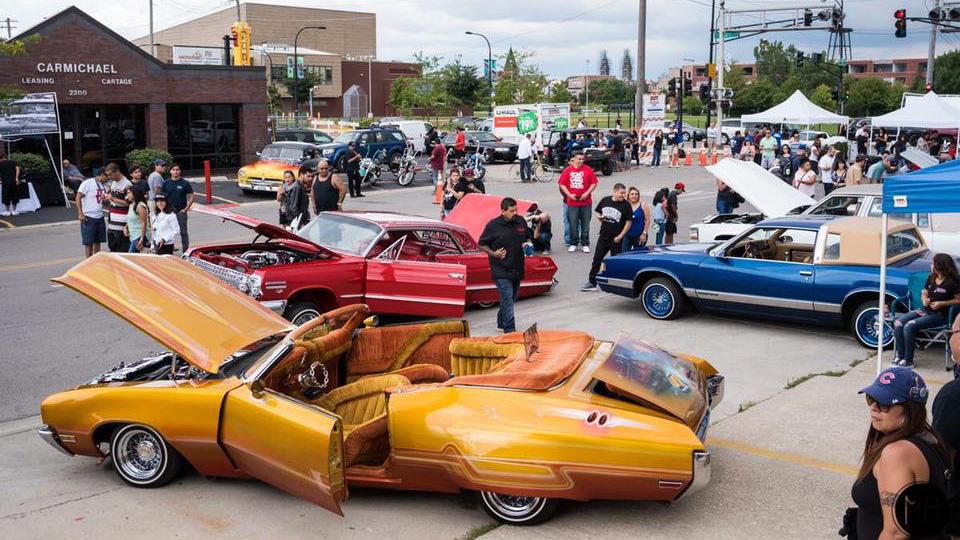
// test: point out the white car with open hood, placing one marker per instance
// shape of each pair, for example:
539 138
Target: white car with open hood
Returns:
774 198
767 193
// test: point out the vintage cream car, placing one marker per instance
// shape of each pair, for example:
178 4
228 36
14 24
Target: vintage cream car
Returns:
525 419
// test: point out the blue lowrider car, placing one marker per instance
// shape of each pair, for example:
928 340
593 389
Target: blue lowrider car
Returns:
814 269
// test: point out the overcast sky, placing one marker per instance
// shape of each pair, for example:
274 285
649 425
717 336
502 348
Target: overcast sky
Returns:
562 34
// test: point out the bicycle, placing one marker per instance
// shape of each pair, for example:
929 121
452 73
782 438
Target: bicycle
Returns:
539 171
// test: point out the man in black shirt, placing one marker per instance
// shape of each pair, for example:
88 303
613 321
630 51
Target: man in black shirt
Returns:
468 184
502 240
352 168
10 182
615 215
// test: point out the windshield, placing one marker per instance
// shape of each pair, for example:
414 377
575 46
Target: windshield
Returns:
484 136
344 138
341 233
248 356
281 153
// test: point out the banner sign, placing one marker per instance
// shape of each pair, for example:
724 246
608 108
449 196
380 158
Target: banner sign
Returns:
198 56
240 32
30 114
527 122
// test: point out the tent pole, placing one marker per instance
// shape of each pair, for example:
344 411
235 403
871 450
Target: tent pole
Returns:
883 290
63 188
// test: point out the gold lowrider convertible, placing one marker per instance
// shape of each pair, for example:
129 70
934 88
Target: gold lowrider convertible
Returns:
525 419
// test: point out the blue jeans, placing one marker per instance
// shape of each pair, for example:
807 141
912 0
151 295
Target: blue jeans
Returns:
525 169
723 206
579 217
656 157
509 290
906 326
566 225
133 245
661 230
543 243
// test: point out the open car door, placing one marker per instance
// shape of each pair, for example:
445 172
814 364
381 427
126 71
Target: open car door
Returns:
286 443
428 289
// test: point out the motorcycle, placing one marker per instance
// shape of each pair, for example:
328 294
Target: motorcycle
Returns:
407 167
372 167
476 161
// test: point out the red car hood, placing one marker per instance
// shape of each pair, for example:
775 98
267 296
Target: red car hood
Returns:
262 228
475 210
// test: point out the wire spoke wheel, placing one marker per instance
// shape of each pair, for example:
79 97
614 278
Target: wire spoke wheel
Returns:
518 510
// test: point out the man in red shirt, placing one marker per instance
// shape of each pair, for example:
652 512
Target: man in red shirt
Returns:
577 183
460 143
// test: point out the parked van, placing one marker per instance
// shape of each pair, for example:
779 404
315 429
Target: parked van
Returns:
413 130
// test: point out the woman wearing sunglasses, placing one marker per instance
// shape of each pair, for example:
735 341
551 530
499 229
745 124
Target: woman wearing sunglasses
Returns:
901 449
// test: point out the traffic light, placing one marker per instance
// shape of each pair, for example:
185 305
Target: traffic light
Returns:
836 17
954 14
817 58
901 23
807 17
672 87
704 93
799 62
937 14
687 87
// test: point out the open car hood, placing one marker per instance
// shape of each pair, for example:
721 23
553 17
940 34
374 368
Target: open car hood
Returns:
651 375
475 210
767 193
175 303
262 228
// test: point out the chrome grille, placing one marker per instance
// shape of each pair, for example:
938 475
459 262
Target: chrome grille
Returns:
233 278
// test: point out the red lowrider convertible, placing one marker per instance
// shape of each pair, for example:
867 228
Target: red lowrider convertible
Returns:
394 263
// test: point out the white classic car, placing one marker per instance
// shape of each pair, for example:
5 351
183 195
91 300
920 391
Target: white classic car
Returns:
775 198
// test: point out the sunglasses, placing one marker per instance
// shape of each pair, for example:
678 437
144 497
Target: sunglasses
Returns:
882 408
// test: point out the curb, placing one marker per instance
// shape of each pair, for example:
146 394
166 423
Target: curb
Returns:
22 425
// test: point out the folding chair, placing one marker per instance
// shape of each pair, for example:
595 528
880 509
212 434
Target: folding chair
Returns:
928 336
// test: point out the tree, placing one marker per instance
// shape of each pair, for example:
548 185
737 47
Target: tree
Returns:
609 91
693 106
756 97
733 78
773 61
273 98
462 83
788 87
870 97
626 66
604 64
558 93
303 85
521 80
823 97
16 47
946 73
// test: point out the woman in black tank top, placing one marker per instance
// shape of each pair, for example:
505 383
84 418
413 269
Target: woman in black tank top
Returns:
328 191
901 449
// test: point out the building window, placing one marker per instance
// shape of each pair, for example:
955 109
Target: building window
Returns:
883 68
324 74
922 67
196 133
278 72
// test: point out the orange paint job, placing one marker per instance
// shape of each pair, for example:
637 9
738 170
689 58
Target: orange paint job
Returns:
175 303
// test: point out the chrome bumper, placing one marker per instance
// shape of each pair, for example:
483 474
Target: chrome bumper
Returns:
701 474
276 306
49 435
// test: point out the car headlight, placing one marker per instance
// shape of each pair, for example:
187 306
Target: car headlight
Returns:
328 151
694 233
241 173
256 286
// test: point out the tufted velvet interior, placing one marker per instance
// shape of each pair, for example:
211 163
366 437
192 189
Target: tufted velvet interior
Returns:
391 348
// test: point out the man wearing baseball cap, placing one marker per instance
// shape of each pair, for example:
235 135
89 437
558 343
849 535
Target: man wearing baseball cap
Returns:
672 211
901 449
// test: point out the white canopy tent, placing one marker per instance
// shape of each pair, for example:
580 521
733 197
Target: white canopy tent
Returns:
796 110
929 112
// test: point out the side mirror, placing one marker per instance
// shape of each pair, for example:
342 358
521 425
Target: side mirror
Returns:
256 389
371 321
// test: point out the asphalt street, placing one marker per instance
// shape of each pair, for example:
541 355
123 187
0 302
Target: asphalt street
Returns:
782 458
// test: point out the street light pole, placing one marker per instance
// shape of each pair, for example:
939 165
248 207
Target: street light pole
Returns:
641 61
586 92
489 66
296 68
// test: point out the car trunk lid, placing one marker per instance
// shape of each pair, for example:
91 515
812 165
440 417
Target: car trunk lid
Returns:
475 210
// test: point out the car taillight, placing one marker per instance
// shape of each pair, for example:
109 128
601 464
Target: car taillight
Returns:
546 151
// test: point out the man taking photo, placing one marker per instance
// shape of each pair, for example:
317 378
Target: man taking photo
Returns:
502 240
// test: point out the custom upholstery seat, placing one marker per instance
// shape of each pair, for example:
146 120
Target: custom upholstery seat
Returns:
479 355
362 406
418 351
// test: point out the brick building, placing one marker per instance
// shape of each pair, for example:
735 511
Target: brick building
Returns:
903 70
113 97
341 56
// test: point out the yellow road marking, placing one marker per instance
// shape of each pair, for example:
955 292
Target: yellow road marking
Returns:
8 224
38 264
783 456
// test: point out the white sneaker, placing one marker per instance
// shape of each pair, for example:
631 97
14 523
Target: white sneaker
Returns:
15 213
570 249
7 213
545 252
586 249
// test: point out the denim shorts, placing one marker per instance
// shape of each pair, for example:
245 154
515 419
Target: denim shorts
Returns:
93 231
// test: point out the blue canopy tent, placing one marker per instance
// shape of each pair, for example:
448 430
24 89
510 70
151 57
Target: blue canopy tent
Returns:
932 190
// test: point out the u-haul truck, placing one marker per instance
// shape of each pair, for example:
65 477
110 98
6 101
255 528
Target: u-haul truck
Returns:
549 116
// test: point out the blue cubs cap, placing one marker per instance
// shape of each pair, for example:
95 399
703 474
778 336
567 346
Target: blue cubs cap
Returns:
897 385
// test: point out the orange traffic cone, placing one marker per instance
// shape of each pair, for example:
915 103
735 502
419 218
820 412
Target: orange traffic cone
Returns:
689 161
438 194
703 157
715 158
674 160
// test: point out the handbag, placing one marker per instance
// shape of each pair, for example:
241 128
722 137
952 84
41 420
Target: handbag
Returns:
655 226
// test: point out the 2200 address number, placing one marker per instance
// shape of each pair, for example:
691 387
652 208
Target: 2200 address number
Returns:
76 92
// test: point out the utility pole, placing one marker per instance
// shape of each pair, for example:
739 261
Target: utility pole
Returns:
153 51
641 61
718 141
932 51
713 19
8 20
238 10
